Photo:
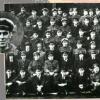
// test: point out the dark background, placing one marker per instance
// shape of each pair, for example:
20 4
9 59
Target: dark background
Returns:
39 6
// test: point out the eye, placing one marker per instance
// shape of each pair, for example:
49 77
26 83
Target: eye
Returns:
5 33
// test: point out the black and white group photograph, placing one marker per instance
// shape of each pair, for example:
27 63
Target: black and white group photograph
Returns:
51 50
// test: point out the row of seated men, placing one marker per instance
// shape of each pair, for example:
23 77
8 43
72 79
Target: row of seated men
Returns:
52 71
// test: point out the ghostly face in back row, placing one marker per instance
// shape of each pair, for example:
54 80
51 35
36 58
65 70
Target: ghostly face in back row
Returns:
4 37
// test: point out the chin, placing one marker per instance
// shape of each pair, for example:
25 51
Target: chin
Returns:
2 45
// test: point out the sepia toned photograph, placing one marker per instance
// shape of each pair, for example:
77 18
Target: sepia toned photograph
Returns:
52 50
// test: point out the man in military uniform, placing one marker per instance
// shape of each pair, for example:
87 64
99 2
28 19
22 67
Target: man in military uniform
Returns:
10 85
65 46
23 15
48 38
45 17
34 40
83 82
28 30
38 82
53 26
23 62
96 25
75 27
51 69
35 64
81 37
52 49
65 27
12 63
71 39
55 15
86 25
21 82
33 18
6 29
40 50
59 36
40 29
95 79
80 56
51 66
97 12
93 38
91 15
93 55
85 15
66 66
59 16
75 13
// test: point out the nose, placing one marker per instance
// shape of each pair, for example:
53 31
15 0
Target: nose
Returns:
1 36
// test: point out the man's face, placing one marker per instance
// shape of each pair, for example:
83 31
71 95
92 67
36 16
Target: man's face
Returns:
8 72
81 33
50 58
85 13
69 35
39 46
96 69
81 71
4 37
65 57
34 13
86 21
23 57
48 35
70 12
45 13
59 11
22 10
38 72
97 12
92 34
59 33
93 46
52 22
28 23
63 72
39 23
36 57
90 13
51 46
35 35
64 23
95 21
65 43
75 12
75 22
79 46
22 73
54 13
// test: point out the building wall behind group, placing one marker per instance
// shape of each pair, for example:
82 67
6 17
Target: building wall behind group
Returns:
2 2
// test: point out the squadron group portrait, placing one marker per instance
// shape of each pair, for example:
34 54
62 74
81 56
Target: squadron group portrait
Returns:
58 55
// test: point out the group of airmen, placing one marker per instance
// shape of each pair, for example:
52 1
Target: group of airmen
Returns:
59 53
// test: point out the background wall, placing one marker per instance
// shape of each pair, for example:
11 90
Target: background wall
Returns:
2 2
